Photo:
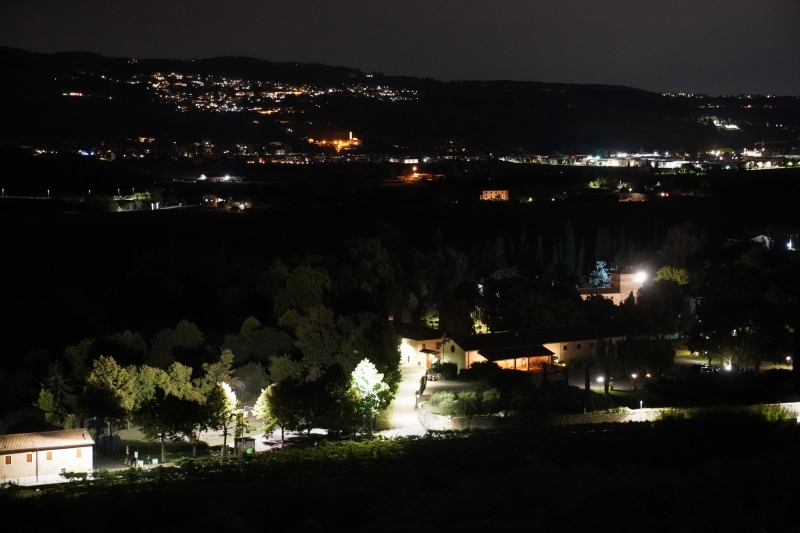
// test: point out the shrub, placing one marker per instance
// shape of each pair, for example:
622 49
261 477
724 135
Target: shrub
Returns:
481 370
729 413
524 397
466 404
490 401
449 370
505 380
443 401
776 413
9 491
467 374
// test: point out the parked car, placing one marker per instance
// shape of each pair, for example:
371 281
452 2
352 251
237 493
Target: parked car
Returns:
703 369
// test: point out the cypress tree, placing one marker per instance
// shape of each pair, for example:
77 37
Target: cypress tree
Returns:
602 245
539 251
569 247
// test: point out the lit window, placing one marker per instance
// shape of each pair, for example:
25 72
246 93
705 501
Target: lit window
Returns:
7 460
78 452
49 456
28 457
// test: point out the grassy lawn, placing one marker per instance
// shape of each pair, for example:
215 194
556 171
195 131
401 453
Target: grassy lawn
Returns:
174 450
631 398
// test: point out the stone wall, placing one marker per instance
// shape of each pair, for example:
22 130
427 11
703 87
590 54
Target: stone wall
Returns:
434 422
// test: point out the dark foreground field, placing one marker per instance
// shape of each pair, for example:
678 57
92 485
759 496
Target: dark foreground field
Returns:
666 476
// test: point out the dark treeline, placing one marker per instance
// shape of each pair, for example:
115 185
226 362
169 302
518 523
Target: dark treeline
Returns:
314 312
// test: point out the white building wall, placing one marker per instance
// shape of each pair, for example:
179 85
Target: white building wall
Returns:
65 459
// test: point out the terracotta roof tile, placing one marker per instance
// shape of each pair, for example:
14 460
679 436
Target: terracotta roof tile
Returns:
68 438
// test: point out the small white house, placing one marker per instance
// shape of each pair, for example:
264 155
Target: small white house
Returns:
29 458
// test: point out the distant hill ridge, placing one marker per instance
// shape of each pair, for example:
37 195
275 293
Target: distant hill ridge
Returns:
488 115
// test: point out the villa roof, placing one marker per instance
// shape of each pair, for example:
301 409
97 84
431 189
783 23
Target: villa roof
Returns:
533 338
69 438
416 332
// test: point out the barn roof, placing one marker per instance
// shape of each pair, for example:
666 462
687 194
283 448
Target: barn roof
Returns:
69 438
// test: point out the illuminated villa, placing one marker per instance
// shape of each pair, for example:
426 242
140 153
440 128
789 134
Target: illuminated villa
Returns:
624 283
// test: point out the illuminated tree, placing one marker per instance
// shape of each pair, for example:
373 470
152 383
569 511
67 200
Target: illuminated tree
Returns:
221 409
600 277
668 273
370 389
262 411
108 392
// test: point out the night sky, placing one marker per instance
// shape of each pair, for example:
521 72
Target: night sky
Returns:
710 46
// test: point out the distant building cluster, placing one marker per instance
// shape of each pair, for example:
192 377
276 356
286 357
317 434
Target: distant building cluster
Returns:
221 94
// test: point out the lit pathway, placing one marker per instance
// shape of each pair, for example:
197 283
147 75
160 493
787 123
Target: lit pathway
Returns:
404 416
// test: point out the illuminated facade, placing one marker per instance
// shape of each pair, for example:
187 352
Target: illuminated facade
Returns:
529 350
419 345
496 196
